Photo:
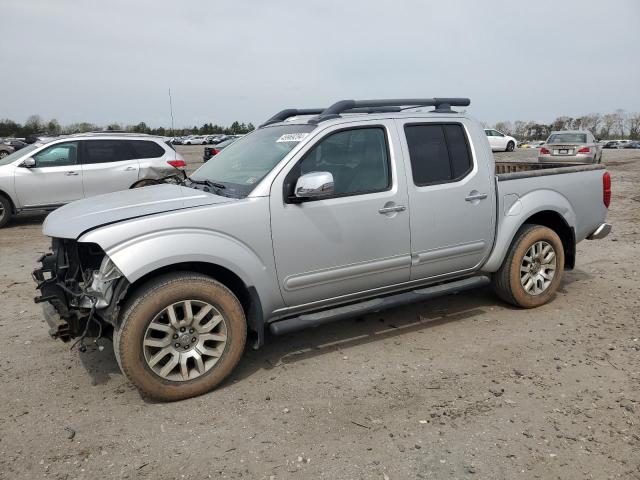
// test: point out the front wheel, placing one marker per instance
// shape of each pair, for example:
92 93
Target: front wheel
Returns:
5 210
180 336
3 153
510 147
532 271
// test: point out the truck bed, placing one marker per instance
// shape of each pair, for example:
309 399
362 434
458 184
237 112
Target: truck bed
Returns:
515 170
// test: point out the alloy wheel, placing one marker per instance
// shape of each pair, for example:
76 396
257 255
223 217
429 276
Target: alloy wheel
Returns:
185 340
538 268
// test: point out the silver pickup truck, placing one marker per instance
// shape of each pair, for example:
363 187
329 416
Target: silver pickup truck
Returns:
317 216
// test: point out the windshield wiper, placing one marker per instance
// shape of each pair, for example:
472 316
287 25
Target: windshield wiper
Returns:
208 183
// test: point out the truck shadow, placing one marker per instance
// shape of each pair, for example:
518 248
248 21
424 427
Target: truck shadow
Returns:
315 342
370 328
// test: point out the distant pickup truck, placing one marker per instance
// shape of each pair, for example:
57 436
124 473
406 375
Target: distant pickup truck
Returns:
317 216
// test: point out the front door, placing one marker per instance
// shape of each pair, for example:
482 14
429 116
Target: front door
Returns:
108 166
55 179
354 241
451 200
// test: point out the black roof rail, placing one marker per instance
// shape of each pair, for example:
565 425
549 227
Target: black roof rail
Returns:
443 105
292 112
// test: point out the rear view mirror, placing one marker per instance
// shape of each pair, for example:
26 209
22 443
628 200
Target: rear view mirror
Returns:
28 163
314 185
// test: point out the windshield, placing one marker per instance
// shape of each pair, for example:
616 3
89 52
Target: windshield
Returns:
18 154
241 165
567 138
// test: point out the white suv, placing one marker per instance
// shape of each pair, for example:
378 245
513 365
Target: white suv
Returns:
48 174
499 141
195 140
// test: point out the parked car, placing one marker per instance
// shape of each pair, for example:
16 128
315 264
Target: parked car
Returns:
634 145
46 175
611 144
305 222
577 146
211 151
15 143
194 140
499 141
623 143
5 150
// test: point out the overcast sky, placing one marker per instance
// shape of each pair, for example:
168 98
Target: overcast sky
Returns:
114 61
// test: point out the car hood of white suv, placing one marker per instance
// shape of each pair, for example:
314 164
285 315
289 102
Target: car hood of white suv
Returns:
75 218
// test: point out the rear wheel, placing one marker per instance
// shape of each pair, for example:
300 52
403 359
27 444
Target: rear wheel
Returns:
510 147
5 210
180 337
3 153
532 271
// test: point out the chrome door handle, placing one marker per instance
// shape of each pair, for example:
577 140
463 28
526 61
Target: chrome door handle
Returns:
68 174
395 208
128 169
476 196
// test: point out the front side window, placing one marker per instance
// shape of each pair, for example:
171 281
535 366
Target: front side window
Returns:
106 151
58 155
439 153
358 160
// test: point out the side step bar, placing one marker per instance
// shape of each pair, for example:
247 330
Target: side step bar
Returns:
307 320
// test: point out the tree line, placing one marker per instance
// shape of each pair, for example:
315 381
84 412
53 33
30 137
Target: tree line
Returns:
619 125
36 125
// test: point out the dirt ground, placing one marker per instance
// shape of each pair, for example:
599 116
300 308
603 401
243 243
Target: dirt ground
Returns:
459 387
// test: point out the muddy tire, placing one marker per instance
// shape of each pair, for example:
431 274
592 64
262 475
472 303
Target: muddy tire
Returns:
532 271
6 209
180 336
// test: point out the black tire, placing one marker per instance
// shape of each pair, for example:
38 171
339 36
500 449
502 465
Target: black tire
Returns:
148 304
510 147
6 210
144 183
4 153
507 281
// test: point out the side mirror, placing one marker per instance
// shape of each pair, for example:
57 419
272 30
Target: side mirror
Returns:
28 163
315 185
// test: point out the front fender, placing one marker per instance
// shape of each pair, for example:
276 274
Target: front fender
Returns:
514 212
144 254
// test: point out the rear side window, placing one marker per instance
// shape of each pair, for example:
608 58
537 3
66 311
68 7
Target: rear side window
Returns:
145 149
439 153
106 151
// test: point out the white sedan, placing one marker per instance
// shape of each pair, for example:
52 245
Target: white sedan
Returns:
195 140
499 141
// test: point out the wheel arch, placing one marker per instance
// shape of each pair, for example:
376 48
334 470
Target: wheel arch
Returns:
247 295
11 202
559 222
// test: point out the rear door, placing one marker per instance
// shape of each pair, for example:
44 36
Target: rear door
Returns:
56 178
355 241
108 165
451 197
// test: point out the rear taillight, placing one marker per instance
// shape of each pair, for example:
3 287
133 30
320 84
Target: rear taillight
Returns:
215 151
606 189
177 163
544 151
584 150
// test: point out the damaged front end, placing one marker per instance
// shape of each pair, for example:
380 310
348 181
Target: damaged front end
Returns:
79 290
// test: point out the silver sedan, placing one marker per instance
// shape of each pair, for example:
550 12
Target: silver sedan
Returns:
573 146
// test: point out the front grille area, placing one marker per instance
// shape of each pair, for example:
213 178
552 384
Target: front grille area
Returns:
61 279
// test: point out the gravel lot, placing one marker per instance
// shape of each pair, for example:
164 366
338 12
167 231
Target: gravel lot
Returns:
459 387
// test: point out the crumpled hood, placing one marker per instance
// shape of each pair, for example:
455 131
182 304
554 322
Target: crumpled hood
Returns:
71 220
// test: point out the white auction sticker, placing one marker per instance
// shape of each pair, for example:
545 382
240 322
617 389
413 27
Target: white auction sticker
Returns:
292 137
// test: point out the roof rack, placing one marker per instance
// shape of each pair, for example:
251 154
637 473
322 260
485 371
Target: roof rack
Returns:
443 105
292 112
